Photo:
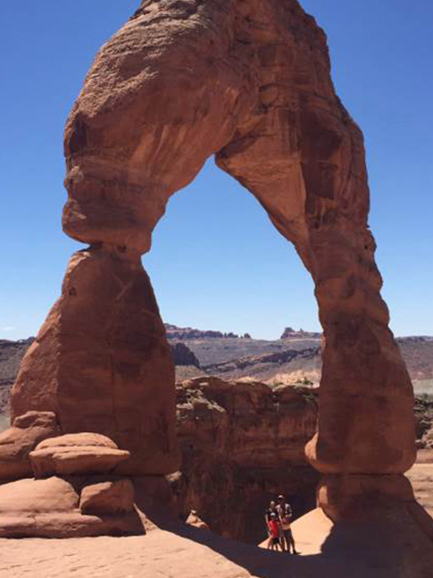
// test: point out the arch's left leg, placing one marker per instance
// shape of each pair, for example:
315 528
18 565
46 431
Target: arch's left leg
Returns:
158 101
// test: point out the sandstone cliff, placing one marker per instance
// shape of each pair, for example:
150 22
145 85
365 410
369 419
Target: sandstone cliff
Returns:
242 444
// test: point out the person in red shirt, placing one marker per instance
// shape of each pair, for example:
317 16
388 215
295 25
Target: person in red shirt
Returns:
274 533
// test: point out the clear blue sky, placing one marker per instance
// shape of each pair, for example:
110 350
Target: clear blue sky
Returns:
217 262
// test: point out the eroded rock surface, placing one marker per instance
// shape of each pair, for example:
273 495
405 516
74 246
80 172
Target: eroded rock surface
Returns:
248 81
108 498
76 454
50 508
242 444
102 363
36 496
17 442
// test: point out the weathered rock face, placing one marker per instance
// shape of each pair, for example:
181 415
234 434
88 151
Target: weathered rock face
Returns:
242 444
102 363
51 508
108 498
250 82
17 442
76 454
51 495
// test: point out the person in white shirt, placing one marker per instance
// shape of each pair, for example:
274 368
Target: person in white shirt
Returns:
285 515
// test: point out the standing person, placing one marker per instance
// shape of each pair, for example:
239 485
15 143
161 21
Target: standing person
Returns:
271 510
285 517
274 533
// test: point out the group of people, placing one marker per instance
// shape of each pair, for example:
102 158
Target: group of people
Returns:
278 518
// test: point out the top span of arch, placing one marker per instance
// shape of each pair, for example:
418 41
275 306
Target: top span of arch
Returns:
248 80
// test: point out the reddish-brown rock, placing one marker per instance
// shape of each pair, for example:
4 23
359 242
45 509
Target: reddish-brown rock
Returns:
108 498
350 497
102 363
36 496
242 445
49 508
17 442
76 454
250 82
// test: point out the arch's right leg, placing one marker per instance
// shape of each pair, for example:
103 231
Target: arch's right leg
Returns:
305 163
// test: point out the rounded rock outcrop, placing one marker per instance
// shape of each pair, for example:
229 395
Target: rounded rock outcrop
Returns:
17 442
76 454
107 498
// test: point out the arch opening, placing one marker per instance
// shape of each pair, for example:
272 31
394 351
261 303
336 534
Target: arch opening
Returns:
216 263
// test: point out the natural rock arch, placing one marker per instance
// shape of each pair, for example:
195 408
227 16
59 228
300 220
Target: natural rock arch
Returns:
248 81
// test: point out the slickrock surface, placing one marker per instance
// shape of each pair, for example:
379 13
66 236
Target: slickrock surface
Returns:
377 550
387 542
159 555
242 444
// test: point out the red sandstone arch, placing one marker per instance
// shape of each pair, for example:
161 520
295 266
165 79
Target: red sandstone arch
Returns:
248 81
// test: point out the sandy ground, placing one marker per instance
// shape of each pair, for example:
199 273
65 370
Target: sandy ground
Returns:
184 552
158 555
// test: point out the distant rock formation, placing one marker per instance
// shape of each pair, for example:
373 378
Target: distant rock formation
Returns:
182 355
278 358
182 333
279 365
290 333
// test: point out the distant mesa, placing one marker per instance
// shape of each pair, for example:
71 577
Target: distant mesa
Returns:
290 333
181 333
